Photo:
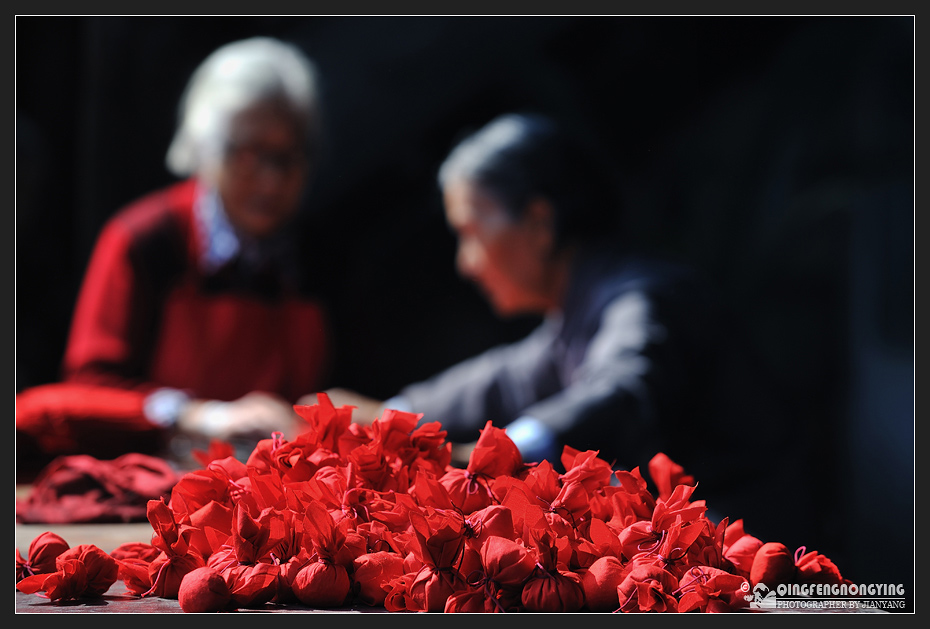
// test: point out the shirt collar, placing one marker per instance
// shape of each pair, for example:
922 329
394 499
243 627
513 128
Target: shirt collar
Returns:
219 242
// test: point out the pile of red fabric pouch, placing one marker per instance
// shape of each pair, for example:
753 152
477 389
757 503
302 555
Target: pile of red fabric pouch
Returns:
346 515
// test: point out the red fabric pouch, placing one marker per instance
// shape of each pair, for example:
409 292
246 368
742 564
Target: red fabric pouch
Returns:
82 489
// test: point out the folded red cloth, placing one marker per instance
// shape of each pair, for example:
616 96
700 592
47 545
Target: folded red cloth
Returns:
81 489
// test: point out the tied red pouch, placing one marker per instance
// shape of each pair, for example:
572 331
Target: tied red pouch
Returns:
82 571
43 553
82 489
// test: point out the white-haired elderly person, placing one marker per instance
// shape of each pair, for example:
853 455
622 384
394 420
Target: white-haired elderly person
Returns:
192 318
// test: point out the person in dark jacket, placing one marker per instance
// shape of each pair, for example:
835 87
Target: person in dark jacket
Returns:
619 362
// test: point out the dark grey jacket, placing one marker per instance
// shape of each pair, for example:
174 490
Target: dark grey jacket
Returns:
617 370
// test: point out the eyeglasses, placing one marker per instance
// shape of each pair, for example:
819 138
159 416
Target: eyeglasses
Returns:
246 159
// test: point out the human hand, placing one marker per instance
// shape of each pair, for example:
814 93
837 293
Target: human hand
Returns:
254 416
367 409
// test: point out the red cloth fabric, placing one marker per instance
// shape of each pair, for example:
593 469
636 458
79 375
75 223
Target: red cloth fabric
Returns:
148 316
83 489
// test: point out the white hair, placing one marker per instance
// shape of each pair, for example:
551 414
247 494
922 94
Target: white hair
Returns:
231 79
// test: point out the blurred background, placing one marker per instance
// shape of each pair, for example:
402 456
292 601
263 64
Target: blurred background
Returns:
773 153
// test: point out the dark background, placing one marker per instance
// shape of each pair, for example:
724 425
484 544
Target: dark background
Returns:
773 153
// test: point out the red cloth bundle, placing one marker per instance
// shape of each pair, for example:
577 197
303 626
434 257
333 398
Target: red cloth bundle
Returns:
648 588
708 589
740 549
772 565
84 571
203 590
177 556
373 569
43 551
494 455
80 488
246 563
324 582
600 582
552 588
440 540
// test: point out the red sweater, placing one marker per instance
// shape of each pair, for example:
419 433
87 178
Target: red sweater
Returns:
147 316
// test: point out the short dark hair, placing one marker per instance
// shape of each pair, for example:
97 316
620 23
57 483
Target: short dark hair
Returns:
518 157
